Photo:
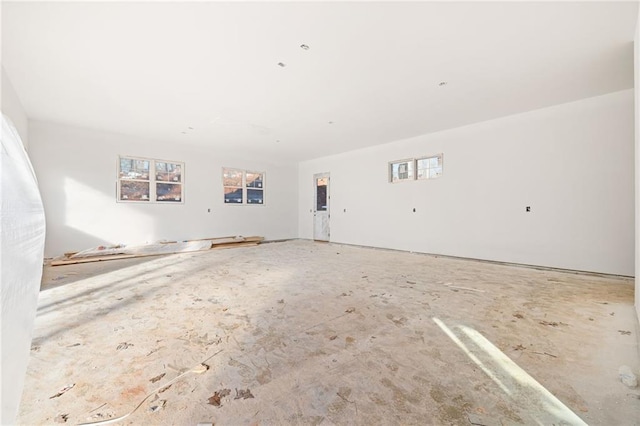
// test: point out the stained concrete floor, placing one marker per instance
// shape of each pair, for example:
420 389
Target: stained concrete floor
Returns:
308 333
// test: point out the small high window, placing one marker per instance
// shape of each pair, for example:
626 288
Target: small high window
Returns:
401 170
429 167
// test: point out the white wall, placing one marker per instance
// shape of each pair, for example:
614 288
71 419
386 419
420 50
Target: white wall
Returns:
76 169
637 168
572 163
12 108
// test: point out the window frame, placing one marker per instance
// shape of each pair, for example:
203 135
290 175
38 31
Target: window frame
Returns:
151 180
440 156
225 186
244 186
247 188
408 161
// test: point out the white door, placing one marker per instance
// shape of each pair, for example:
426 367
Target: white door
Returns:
321 207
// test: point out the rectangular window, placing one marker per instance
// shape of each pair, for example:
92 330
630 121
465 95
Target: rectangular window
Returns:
232 182
242 187
401 170
429 167
255 192
321 194
137 183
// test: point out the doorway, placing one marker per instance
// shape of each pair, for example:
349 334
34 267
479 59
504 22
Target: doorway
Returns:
321 207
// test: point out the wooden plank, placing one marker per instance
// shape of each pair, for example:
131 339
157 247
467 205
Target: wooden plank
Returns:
237 237
155 248
236 240
232 245
233 240
58 262
215 238
256 239
114 257
160 247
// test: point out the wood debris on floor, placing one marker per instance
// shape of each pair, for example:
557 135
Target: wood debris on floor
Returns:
61 418
216 398
63 391
102 253
243 394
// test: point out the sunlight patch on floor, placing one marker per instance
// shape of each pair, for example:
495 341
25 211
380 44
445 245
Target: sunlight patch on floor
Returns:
541 404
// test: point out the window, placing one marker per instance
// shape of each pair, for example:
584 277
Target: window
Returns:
429 167
401 170
242 187
321 194
137 183
255 191
421 168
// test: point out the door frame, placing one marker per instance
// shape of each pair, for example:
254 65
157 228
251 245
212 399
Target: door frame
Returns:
316 216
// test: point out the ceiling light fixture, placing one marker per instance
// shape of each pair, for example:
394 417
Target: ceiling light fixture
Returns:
331 122
304 47
281 64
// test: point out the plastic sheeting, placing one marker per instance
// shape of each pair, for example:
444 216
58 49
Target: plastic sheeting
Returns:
22 233
145 250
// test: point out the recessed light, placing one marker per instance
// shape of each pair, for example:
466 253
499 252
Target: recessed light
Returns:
190 128
281 64
184 133
304 47
331 122
278 141
442 83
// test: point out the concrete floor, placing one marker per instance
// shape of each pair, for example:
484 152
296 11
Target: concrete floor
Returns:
330 334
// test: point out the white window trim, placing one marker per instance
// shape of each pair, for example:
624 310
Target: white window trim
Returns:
245 199
152 180
414 163
441 155
390 170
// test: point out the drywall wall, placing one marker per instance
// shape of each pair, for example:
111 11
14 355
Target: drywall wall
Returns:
571 163
77 173
12 108
22 233
637 157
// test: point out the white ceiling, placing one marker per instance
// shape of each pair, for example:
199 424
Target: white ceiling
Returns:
155 69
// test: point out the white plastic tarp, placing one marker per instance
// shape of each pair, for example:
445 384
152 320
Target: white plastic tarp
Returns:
22 233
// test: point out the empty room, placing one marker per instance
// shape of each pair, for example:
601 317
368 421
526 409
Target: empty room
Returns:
372 213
